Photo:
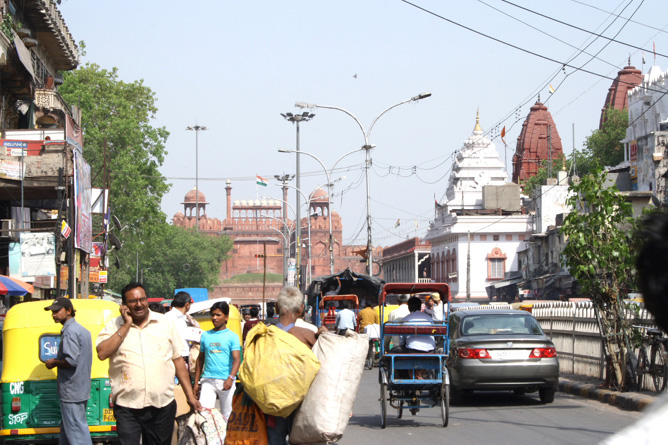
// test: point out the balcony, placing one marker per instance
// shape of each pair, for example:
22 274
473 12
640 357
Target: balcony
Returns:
51 100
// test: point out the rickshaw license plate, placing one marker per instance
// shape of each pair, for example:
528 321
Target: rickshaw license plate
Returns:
108 415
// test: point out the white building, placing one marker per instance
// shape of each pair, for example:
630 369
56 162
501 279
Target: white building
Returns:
481 222
647 135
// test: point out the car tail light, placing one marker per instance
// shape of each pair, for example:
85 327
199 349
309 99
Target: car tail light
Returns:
543 353
111 401
16 404
478 353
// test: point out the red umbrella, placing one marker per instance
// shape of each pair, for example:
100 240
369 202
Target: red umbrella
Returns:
12 286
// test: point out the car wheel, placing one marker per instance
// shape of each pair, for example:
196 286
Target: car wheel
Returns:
546 395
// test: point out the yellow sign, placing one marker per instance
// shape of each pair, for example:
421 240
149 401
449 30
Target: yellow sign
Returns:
108 415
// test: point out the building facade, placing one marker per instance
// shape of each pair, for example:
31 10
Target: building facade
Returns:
407 262
480 227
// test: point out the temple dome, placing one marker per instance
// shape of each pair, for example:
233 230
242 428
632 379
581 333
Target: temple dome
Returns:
618 93
319 195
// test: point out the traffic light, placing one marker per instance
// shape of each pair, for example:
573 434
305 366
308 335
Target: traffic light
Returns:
259 255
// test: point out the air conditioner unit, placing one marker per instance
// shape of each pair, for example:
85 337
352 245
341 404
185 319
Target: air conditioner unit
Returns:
7 228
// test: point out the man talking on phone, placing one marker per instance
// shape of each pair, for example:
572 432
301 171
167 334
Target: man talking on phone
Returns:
144 352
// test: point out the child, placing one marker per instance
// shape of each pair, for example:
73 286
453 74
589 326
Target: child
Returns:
218 362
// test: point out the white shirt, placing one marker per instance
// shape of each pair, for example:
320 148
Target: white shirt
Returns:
179 319
396 315
424 343
438 309
649 429
303 324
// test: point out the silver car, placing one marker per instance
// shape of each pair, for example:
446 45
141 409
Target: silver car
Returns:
500 349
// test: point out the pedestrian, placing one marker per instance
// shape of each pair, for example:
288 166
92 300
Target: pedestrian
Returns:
345 319
179 316
272 316
252 321
652 239
436 306
73 360
144 351
368 317
290 305
218 362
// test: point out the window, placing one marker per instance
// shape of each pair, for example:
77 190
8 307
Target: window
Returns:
495 237
496 268
496 264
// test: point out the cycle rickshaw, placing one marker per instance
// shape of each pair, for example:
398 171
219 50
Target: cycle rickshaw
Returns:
415 380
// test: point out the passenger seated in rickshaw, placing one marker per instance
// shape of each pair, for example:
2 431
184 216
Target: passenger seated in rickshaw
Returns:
415 344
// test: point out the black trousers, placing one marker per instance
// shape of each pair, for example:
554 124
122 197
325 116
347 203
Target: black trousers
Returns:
154 425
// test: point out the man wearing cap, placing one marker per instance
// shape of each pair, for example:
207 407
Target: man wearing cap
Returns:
435 307
73 360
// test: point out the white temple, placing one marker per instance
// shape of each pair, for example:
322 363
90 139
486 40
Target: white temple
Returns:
476 165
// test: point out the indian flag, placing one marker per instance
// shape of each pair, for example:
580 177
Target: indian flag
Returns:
261 181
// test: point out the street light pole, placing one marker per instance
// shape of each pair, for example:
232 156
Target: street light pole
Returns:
284 181
196 128
367 147
296 119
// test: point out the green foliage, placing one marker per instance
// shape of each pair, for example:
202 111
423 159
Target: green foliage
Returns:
119 115
543 174
255 278
117 118
600 254
7 27
603 146
172 258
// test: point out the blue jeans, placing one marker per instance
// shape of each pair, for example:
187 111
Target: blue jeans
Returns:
282 426
74 426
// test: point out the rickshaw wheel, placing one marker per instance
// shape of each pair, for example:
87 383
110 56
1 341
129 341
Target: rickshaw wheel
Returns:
400 410
383 407
445 401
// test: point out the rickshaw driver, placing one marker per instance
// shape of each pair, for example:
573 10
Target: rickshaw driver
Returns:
415 344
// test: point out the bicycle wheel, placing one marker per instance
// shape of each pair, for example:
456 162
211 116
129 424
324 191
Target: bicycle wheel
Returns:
445 401
642 367
658 367
383 405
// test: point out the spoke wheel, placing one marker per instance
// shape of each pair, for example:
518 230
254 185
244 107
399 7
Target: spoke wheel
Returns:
658 367
383 405
642 367
445 402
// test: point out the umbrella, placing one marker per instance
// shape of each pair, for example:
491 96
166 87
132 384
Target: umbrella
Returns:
14 287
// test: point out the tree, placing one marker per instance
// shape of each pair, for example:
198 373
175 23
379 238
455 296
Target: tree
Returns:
603 147
116 118
539 179
174 257
600 254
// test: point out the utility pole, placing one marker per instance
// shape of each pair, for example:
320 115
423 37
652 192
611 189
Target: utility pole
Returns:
468 267
549 151
284 185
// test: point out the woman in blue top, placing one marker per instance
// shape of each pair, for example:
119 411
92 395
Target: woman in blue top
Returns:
218 362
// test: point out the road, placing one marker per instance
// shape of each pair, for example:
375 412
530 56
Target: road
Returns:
486 418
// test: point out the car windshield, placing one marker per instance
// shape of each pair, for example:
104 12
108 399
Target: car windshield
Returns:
500 324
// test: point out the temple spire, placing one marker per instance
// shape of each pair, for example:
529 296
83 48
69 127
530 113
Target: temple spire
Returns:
477 121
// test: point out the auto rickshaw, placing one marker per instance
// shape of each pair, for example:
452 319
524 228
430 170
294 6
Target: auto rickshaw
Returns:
30 403
326 315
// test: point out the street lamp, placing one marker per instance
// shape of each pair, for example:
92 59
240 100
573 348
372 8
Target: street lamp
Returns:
197 128
296 119
328 174
367 147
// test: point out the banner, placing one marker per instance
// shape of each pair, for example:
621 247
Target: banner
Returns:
82 196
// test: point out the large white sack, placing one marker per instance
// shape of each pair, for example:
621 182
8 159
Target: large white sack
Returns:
325 412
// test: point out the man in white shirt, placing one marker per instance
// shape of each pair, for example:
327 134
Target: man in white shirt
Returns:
397 315
416 343
345 319
178 314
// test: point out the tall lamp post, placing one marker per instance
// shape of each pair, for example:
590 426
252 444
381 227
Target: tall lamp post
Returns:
197 128
367 147
328 174
296 119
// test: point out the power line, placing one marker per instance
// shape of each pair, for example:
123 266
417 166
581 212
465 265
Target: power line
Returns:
585 30
610 13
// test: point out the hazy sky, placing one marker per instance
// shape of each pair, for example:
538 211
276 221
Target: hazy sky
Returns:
235 66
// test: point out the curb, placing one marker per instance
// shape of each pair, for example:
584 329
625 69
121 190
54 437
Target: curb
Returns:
627 401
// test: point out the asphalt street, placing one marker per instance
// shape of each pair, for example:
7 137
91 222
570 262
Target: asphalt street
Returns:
486 418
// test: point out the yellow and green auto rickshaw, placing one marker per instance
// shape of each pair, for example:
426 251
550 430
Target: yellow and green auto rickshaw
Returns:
30 408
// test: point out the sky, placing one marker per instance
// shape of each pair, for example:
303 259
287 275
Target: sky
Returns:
235 66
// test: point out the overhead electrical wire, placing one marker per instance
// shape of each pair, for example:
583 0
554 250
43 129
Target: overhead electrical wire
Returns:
610 13
585 30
